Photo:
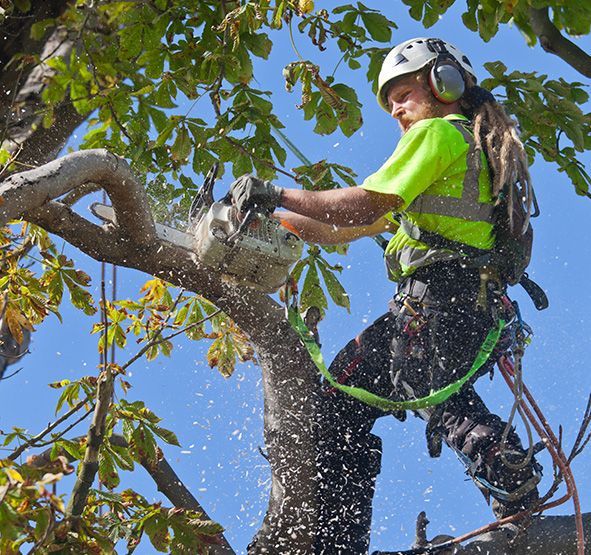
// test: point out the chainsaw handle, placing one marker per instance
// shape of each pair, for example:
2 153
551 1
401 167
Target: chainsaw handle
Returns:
248 217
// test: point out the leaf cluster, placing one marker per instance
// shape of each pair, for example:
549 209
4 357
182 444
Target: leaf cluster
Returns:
31 287
312 294
551 118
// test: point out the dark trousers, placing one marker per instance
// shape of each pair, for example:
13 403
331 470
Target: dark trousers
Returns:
402 356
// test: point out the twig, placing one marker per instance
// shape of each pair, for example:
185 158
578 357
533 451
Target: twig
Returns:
96 432
153 340
33 441
581 442
39 543
65 430
189 327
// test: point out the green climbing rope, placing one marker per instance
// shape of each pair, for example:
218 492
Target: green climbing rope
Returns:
434 398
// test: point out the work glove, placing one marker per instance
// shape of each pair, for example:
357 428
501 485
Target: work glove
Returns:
251 193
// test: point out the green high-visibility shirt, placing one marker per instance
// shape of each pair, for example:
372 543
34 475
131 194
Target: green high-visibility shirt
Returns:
431 157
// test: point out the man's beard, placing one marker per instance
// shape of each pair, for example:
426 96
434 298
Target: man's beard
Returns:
427 111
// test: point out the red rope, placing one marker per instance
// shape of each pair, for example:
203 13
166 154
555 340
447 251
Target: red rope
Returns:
553 445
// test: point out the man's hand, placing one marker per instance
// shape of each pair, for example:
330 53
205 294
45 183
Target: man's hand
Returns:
251 193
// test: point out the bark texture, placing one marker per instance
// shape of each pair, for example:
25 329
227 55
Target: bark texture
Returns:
22 83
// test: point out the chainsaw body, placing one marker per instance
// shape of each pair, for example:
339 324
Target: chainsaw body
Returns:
258 254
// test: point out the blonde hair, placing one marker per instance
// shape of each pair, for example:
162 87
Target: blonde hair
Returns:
496 134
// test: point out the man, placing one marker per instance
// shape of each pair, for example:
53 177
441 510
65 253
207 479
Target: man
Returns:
442 180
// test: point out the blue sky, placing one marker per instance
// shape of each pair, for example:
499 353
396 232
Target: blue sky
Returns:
219 421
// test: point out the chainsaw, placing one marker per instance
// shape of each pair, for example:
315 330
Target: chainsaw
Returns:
251 249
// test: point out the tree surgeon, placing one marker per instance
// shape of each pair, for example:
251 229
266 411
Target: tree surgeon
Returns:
458 150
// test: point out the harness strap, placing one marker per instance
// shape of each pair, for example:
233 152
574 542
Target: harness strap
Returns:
437 241
382 403
467 206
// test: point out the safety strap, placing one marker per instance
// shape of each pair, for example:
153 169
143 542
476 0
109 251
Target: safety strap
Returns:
473 257
437 241
467 207
373 400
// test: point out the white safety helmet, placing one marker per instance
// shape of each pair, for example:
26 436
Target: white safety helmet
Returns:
446 78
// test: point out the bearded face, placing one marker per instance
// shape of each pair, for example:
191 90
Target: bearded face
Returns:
410 100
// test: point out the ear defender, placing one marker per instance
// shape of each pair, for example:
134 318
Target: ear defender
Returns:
446 78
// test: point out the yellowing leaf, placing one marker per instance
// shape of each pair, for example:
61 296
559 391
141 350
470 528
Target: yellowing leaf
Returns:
305 6
14 475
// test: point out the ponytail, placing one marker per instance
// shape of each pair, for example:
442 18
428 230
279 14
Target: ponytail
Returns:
496 134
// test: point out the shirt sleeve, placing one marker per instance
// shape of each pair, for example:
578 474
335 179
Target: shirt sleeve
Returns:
420 158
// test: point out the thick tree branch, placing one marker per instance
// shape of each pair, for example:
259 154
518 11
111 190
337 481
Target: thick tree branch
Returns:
554 42
21 109
31 189
15 37
545 535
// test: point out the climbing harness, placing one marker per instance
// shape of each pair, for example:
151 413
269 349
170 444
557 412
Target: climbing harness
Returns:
502 338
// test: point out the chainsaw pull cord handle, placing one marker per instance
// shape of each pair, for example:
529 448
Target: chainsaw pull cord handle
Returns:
244 223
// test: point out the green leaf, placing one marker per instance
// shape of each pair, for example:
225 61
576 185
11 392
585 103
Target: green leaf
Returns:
377 25
39 28
130 41
166 435
312 293
335 289
326 121
23 5
73 448
121 456
165 134
182 145
143 445
221 354
242 165
260 45
43 518
156 527
164 94
107 471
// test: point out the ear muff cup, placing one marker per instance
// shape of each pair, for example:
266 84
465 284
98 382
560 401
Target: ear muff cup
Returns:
446 80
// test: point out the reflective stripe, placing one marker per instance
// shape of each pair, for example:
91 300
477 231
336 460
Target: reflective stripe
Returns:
417 258
467 207
436 241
